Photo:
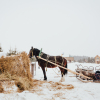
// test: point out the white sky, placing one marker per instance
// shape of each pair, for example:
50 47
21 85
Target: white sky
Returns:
57 26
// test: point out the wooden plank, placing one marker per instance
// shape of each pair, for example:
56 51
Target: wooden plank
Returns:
65 68
85 81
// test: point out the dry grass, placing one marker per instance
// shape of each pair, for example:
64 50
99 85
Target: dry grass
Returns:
37 83
58 86
59 94
70 86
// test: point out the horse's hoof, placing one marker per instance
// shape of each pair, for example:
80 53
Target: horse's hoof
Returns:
62 79
45 79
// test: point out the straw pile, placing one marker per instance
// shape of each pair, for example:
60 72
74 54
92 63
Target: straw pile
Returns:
16 68
58 86
70 86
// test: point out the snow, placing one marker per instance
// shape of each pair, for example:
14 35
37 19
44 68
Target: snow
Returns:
81 91
2 54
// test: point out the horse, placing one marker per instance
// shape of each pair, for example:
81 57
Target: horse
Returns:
55 59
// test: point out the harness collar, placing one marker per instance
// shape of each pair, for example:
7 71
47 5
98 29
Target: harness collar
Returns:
40 52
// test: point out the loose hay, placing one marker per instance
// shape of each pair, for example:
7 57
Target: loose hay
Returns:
70 86
9 87
59 94
58 86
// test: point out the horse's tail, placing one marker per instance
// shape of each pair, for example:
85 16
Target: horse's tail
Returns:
65 71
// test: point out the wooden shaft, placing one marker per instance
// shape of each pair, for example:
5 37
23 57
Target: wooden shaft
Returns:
65 68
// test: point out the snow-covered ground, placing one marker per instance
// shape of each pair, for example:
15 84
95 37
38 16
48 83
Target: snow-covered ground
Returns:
2 54
81 91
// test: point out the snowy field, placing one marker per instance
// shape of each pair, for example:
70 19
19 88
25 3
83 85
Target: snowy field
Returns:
47 90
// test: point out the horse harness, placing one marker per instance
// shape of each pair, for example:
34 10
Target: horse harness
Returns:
59 63
47 58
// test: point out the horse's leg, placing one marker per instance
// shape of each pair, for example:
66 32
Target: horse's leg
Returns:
63 71
62 75
43 69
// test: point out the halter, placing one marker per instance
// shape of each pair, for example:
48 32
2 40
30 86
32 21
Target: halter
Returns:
31 52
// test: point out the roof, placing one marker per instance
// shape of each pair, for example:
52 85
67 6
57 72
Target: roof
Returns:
97 56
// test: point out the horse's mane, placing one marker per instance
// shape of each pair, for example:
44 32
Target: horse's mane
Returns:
36 49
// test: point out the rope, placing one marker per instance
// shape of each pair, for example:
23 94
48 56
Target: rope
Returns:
56 73
57 69
56 61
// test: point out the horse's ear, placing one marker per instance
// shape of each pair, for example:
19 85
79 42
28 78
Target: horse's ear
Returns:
32 47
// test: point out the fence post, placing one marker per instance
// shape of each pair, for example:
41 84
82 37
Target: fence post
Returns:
32 70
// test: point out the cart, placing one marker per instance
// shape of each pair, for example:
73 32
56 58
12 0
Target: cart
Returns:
94 74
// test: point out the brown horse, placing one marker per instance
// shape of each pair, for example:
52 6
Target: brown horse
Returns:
56 59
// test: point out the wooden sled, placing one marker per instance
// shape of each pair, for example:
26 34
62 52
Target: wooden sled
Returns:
87 72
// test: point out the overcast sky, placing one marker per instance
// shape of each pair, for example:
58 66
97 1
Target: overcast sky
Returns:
56 26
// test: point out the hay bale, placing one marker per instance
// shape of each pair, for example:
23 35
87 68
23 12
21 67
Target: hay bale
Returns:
17 68
18 65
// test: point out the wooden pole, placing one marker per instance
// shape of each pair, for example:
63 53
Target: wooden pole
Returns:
65 68
32 70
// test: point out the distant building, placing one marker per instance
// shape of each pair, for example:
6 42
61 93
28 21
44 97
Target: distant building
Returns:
97 59
70 59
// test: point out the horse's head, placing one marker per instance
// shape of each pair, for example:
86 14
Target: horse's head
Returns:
31 54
